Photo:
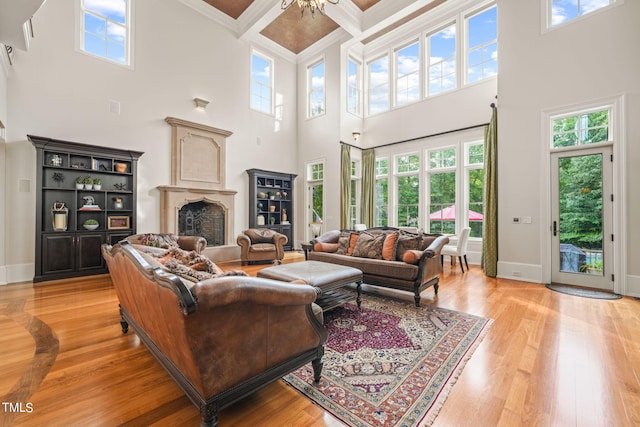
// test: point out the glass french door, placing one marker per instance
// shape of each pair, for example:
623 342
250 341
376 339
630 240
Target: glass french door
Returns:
581 222
315 211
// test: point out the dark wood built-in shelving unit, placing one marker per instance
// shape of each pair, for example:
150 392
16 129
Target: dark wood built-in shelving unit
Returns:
271 197
76 251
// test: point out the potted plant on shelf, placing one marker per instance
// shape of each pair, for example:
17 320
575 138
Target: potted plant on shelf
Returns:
80 182
88 183
97 184
90 224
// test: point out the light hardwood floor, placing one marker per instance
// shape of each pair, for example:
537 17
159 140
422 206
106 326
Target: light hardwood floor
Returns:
548 360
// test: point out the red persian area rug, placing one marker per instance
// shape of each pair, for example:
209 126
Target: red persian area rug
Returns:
390 363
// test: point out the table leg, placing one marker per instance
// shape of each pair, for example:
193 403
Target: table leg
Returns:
358 299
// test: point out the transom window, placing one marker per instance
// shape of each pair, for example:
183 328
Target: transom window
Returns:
261 83
106 29
482 45
379 85
407 61
561 11
354 87
315 171
588 127
441 60
316 89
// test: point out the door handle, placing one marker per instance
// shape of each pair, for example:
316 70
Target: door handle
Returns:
555 228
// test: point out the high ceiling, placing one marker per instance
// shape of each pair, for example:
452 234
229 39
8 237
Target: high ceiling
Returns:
293 32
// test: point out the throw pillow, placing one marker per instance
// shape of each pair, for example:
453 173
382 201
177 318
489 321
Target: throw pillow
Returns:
369 246
159 240
344 241
352 243
406 242
412 256
389 247
325 247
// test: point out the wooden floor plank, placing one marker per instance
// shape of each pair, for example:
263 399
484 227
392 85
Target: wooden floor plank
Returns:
549 359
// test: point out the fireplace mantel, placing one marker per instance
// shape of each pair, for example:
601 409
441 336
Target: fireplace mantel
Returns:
197 174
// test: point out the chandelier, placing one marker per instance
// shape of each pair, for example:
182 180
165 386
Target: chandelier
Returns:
312 5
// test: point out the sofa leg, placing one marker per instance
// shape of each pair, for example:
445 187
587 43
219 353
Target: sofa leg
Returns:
435 287
209 415
123 323
317 365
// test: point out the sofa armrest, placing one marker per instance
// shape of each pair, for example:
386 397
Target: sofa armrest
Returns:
192 243
429 264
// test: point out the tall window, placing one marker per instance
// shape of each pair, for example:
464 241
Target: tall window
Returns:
407 190
106 29
474 179
561 11
261 83
482 44
588 127
315 212
407 60
354 87
441 169
382 193
354 205
379 85
441 60
315 88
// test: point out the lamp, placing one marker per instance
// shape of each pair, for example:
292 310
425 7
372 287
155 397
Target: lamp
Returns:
312 5
355 135
201 104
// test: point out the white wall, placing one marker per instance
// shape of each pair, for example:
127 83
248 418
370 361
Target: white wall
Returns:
594 58
3 169
58 92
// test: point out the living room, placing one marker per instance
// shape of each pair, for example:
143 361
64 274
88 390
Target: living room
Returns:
54 90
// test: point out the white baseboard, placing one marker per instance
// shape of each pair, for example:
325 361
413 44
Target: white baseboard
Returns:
519 271
19 273
3 275
633 286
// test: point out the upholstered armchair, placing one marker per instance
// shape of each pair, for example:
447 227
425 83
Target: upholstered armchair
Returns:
261 244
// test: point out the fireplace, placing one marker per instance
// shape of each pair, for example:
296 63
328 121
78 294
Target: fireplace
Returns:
203 218
197 203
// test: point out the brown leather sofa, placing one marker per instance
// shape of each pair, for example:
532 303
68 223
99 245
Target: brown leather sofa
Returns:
261 244
220 339
407 262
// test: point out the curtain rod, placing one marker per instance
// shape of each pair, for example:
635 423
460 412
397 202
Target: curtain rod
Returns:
418 138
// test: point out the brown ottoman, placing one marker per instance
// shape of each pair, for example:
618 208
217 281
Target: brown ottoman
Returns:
329 278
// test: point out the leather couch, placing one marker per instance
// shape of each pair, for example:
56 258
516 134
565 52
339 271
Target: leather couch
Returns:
387 256
222 338
261 244
165 240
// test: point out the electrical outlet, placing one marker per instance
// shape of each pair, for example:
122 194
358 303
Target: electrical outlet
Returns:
516 220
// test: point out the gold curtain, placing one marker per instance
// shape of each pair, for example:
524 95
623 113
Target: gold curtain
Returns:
367 211
345 185
490 211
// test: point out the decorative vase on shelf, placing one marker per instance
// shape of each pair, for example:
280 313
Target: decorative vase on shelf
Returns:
260 220
272 220
117 203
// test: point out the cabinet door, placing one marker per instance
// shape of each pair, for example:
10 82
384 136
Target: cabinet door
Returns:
89 251
113 238
58 255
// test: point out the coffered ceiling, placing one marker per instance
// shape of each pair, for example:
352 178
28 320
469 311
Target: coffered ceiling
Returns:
291 32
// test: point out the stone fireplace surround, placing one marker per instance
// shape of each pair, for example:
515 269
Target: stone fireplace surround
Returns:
198 175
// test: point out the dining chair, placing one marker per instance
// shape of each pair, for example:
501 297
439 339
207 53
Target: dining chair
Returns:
458 250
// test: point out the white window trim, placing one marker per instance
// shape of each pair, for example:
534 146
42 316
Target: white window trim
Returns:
271 82
129 49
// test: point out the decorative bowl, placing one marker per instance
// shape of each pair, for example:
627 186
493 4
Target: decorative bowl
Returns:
90 226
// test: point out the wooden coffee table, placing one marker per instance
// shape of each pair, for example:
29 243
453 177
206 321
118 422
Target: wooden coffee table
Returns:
329 278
